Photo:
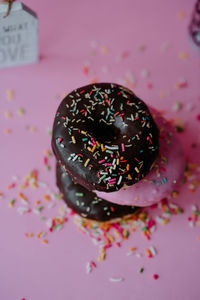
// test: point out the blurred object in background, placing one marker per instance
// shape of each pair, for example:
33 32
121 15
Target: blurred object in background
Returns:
195 24
18 35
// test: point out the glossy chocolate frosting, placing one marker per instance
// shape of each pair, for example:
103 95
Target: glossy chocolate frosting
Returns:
105 137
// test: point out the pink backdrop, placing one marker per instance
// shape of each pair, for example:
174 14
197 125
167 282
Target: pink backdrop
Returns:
144 45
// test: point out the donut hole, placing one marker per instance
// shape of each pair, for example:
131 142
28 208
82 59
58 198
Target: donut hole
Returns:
102 132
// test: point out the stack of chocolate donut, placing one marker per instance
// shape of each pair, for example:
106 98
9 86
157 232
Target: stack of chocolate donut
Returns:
113 153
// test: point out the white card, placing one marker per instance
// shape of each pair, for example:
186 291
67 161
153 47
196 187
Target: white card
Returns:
18 36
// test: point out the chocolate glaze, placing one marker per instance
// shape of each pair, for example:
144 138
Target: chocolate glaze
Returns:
86 203
105 137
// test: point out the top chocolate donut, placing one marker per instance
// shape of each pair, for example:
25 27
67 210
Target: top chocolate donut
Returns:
105 137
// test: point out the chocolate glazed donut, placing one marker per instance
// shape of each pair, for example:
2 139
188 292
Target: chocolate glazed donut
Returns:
105 137
86 203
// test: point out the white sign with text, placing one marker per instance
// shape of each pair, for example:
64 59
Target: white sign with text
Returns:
18 36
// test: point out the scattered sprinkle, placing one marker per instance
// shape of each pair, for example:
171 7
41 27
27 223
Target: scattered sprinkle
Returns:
177 106
12 203
145 73
104 50
8 131
21 111
181 15
155 276
141 270
44 241
183 55
142 48
29 235
181 83
86 69
165 46
116 279
90 266
10 94
8 114
179 125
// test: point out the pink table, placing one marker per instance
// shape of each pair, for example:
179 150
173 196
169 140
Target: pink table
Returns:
144 45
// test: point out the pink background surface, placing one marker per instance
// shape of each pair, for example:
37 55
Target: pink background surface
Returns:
107 36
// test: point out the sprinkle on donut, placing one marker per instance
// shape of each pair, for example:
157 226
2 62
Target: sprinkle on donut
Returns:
105 137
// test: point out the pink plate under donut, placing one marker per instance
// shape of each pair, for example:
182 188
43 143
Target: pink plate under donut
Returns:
164 176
